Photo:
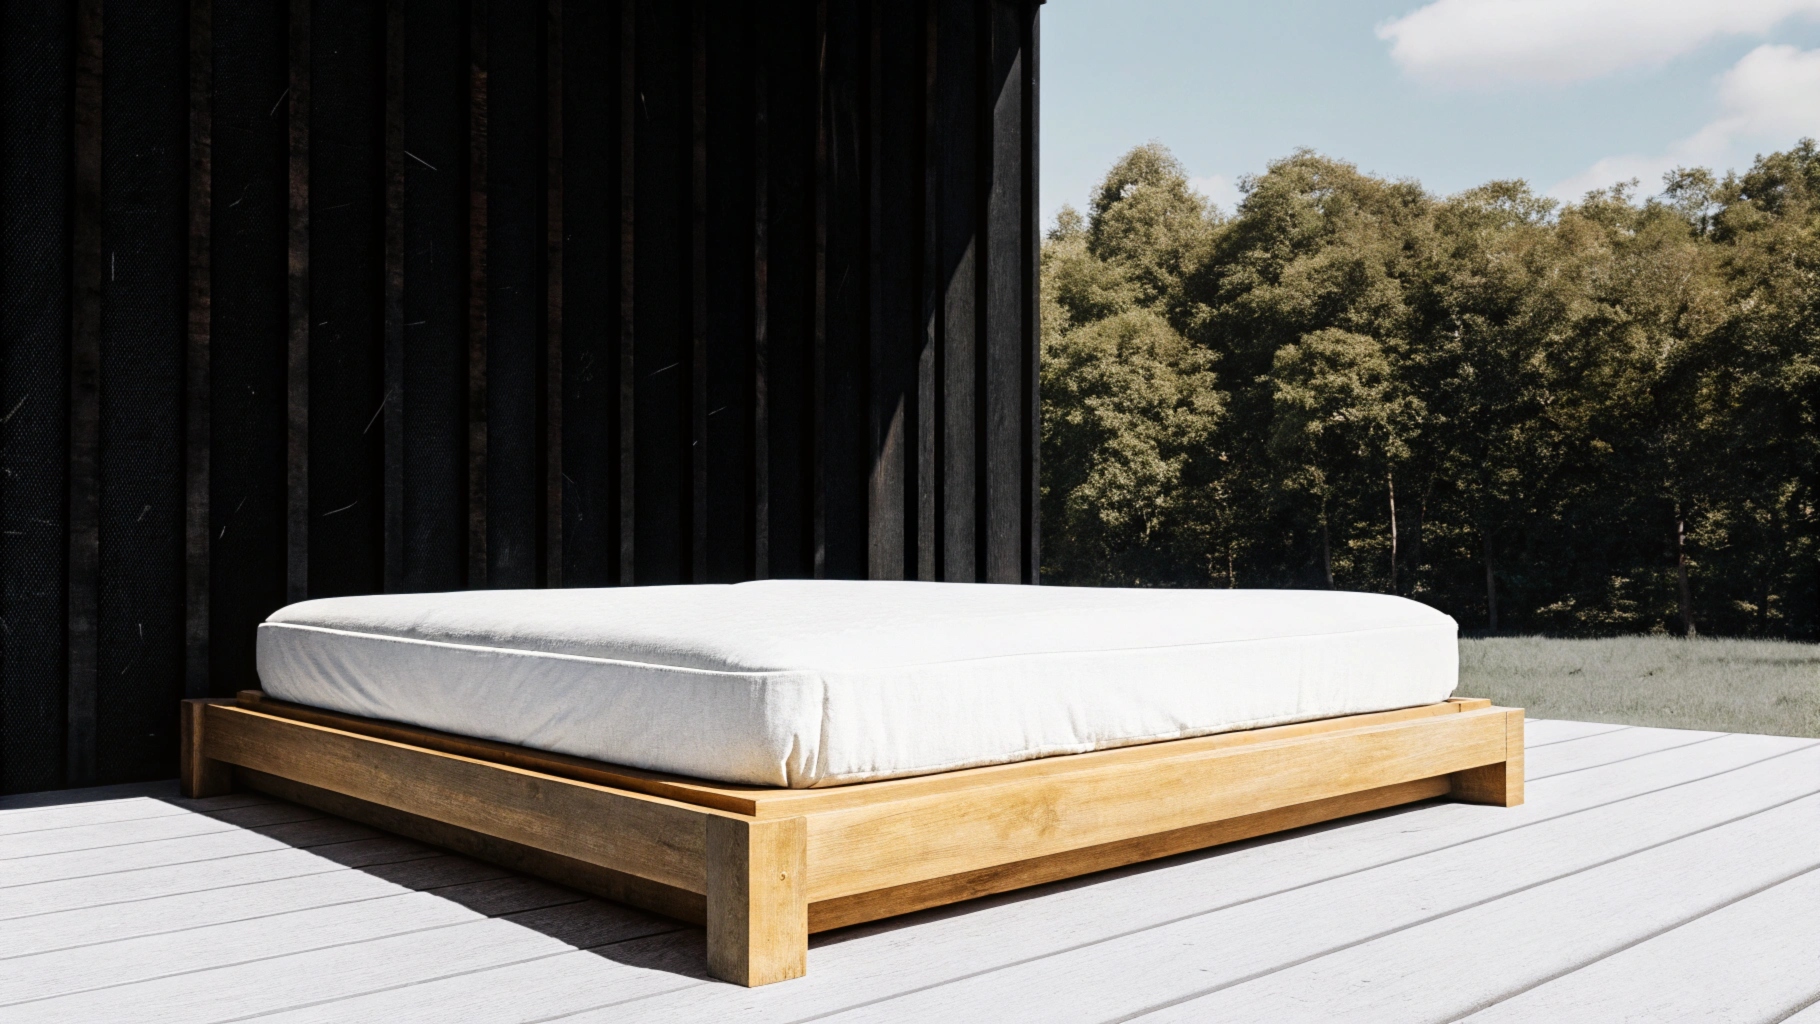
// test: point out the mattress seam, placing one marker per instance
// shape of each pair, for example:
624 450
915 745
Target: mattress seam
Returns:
749 673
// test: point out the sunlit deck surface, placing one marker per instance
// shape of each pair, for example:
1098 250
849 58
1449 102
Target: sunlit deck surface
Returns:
1653 875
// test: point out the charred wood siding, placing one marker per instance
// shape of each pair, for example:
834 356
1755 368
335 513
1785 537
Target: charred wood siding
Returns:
344 296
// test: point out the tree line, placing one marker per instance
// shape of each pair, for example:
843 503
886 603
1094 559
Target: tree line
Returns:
1578 419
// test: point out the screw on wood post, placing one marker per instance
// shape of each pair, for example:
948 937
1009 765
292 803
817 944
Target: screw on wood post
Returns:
758 910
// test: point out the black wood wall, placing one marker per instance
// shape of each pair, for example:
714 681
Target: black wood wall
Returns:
363 295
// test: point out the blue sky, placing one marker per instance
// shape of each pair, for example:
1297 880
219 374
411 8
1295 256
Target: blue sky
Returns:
1566 94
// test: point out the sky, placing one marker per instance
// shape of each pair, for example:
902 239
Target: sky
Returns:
1568 95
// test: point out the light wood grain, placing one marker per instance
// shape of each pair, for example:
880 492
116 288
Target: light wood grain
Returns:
669 900
758 919
891 843
199 775
903 899
761 801
648 837
1500 784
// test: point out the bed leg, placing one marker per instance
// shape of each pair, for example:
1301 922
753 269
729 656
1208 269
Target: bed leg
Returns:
1501 784
758 911
200 776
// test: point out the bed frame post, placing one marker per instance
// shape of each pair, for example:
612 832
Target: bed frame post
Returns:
1500 784
200 776
757 899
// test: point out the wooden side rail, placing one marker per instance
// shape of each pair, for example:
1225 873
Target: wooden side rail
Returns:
808 860
750 872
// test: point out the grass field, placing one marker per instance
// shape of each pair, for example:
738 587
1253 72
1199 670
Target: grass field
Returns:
1766 686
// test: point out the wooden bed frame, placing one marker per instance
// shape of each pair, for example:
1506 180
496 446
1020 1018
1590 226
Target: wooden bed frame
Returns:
763 868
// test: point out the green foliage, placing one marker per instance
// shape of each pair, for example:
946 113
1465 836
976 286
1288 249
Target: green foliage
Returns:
1532 415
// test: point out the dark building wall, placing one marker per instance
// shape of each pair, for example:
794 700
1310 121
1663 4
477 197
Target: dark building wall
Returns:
349 296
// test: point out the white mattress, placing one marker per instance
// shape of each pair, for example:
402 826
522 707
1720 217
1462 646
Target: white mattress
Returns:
819 682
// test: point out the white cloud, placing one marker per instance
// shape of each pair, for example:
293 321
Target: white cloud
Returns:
1770 97
1493 42
1223 190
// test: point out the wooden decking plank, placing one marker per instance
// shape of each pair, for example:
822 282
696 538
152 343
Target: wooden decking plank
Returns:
879 961
1414 974
1755 960
1608 748
1543 731
134 960
1809 1014
65 895
246 990
188 910
108 860
41 819
139 830
634 968
1112 979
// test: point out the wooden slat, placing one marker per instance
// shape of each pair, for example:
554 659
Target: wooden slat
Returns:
646 836
297 362
628 239
761 310
196 405
1002 361
393 304
552 384
1605 748
698 292
1753 960
909 840
83 580
477 294
146 958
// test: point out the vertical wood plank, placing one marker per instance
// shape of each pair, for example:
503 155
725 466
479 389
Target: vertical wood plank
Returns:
394 296
85 405
477 293
958 88
817 441
628 119
552 384
698 292
297 363
196 358
928 356
1031 520
758 910
1005 290
761 306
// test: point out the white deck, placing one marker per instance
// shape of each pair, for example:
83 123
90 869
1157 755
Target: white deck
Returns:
1653 875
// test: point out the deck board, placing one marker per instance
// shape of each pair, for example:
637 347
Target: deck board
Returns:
1642 853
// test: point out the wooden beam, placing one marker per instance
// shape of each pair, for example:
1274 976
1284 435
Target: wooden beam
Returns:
1499 784
661 840
199 775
